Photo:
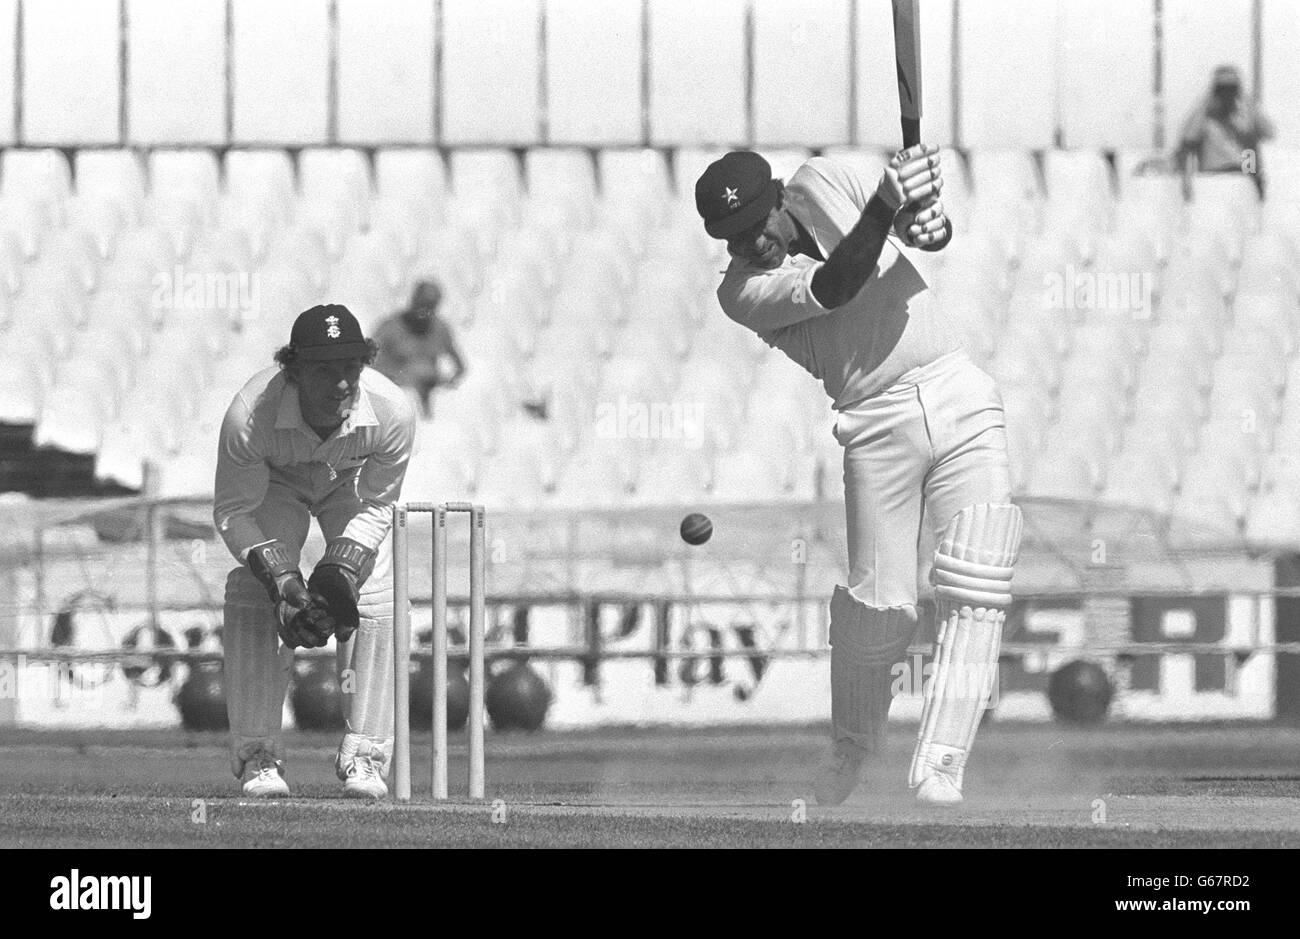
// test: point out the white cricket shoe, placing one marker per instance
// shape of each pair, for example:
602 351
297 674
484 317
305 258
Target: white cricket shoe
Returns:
264 777
837 779
939 789
363 780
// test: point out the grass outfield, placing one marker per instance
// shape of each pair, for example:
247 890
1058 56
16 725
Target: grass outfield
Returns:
1028 786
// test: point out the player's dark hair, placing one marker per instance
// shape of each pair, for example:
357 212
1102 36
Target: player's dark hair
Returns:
287 356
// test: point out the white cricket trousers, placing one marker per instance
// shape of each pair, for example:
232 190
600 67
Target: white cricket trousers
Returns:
931 444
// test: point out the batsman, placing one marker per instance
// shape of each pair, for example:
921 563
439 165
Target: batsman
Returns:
820 269
322 436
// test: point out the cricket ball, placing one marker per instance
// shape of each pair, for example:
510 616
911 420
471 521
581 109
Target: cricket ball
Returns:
696 528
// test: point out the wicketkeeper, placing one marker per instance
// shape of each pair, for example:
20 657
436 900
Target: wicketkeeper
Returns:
820 270
323 436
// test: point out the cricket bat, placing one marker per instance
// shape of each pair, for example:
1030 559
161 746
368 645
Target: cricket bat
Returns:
907 57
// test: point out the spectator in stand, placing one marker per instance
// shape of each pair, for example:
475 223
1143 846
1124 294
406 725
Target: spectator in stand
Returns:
1223 132
414 343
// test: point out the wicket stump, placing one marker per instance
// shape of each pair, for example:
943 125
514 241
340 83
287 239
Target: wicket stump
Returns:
402 647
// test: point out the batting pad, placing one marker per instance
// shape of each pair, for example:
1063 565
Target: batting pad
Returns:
256 671
972 588
365 664
866 643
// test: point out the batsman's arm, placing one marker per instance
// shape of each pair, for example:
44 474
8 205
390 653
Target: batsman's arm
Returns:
770 301
854 258
912 177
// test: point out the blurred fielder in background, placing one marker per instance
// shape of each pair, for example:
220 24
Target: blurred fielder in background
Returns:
818 271
1222 131
413 344
321 436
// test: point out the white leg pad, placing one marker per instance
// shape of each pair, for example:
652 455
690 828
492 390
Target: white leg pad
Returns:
366 675
973 565
256 670
866 644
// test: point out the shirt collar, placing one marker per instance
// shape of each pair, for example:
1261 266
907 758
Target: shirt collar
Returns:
289 415
740 264
362 413
796 201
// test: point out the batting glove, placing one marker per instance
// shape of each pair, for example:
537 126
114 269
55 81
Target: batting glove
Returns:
923 225
911 176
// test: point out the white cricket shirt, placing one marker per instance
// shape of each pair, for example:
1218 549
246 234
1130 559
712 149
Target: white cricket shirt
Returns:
264 438
863 347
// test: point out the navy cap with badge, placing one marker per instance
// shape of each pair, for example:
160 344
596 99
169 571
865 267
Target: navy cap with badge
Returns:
736 192
329 331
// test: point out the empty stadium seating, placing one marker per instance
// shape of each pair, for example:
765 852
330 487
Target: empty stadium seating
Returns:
581 284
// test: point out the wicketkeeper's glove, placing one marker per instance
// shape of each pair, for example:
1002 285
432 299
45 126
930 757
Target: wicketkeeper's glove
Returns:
309 626
336 582
299 621
271 565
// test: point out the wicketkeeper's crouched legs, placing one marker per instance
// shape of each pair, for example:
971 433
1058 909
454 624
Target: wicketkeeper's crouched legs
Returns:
973 565
257 670
365 665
